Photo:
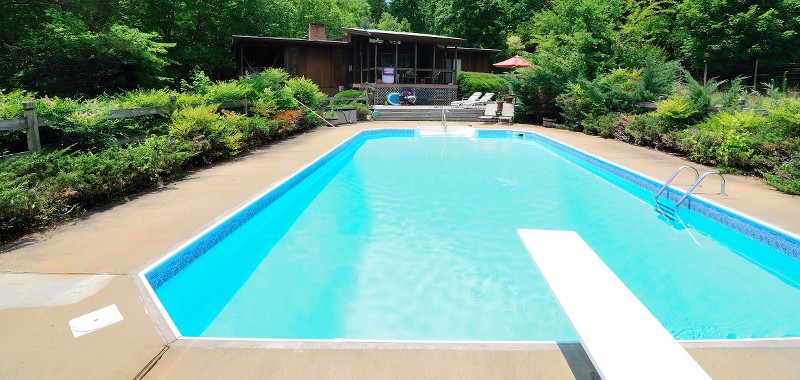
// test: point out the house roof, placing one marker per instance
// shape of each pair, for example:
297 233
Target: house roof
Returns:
404 36
479 50
284 41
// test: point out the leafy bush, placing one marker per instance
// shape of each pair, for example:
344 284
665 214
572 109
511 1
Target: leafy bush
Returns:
42 188
226 92
678 112
143 98
605 126
785 177
646 130
352 93
362 111
470 82
214 136
723 139
306 91
538 86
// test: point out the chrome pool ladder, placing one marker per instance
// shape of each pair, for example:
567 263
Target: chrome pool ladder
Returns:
670 212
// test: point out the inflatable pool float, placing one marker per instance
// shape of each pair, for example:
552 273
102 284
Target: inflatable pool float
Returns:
407 96
393 98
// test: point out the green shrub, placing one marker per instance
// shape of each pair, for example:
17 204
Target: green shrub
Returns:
538 86
11 103
470 82
646 129
785 177
81 124
604 125
786 117
42 188
306 91
214 136
143 98
269 87
226 92
724 139
362 111
677 112
352 93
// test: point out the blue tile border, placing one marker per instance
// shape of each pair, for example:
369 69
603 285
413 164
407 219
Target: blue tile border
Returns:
185 256
789 245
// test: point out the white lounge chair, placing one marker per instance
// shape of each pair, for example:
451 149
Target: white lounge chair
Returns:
490 113
486 98
507 113
472 98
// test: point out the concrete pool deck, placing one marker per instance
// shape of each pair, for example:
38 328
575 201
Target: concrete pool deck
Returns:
123 238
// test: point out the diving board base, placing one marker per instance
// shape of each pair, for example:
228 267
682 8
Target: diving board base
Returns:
621 337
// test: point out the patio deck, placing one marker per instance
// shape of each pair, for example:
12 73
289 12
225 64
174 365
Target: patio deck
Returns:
123 238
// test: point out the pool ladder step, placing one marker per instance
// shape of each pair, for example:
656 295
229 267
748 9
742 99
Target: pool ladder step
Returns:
671 212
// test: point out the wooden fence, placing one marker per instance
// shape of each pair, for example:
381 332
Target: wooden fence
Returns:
32 123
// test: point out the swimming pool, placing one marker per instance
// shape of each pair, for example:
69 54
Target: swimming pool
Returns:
393 236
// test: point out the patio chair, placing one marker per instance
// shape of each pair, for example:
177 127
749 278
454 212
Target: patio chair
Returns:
490 113
507 113
472 98
486 98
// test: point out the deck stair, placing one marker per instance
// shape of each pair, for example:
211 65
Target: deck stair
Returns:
427 113
620 336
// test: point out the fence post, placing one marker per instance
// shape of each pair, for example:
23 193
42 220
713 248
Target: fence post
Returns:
661 98
29 108
741 104
245 105
172 101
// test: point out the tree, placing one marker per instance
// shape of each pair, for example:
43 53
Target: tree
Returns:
389 22
730 34
66 59
376 9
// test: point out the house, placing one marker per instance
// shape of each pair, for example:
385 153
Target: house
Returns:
383 61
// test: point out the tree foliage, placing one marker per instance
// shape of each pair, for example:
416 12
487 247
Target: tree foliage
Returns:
727 34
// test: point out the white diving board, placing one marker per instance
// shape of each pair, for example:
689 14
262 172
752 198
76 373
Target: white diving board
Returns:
622 338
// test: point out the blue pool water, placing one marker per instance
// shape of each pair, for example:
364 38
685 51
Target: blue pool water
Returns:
414 238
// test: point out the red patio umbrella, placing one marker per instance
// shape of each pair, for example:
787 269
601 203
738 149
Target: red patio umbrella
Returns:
512 63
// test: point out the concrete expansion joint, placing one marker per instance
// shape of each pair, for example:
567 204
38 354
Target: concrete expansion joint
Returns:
152 363
65 273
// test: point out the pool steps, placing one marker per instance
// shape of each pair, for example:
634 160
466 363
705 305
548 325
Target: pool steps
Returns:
621 337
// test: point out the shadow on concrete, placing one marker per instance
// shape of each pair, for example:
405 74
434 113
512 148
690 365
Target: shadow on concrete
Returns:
579 363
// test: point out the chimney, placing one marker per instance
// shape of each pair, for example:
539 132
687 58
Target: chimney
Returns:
316 32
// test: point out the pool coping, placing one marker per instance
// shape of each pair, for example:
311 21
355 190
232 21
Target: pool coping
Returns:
171 333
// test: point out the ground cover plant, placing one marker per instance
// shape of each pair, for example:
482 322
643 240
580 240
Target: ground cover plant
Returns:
83 164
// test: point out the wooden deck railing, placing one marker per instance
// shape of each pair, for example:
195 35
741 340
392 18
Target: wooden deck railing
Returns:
31 122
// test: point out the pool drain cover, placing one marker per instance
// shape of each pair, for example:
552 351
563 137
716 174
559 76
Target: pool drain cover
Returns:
95 320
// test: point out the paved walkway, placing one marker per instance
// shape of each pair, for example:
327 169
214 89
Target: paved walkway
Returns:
123 238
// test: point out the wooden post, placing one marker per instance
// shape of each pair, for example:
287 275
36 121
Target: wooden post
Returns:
455 67
245 105
361 60
433 65
755 78
416 75
172 103
705 73
741 104
34 144
377 74
396 60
